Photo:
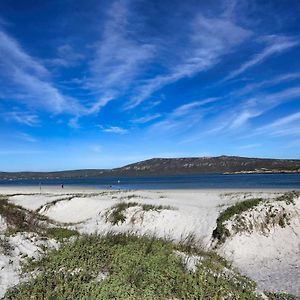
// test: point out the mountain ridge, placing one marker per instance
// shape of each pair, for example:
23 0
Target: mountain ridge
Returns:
173 166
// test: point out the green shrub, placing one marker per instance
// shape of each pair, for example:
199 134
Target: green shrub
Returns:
136 268
20 219
60 233
289 197
148 207
116 214
221 232
282 296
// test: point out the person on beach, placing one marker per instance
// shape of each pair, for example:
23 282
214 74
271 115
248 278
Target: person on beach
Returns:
62 186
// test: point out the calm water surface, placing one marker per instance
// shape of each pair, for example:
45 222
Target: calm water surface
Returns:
202 181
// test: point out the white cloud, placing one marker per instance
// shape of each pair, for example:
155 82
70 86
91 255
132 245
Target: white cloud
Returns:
115 129
209 40
192 106
119 57
276 45
97 105
259 105
288 125
146 119
185 116
25 118
26 137
12 53
243 118
249 146
253 87
66 57
28 76
73 123
284 121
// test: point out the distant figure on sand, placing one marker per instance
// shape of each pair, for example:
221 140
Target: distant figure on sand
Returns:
62 186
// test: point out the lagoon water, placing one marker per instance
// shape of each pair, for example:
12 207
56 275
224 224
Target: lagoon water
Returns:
201 181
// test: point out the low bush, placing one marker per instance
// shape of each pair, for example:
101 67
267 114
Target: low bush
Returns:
19 219
60 233
130 268
116 214
221 232
282 296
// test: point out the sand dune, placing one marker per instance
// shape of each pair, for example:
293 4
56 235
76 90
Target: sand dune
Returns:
271 258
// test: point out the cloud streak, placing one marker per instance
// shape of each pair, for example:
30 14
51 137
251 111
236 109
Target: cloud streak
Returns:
28 119
115 129
209 39
259 105
30 77
146 119
184 116
276 45
119 57
288 125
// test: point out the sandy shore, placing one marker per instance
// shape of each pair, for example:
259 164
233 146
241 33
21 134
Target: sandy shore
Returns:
272 259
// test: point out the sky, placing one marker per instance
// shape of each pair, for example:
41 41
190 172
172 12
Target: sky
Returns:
101 84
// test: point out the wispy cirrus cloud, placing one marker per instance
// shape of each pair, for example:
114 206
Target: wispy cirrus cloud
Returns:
28 76
275 45
254 87
249 146
66 57
25 118
26 137
13 54
146 119
208 40
257 106
184 116
189 108
288 125
114 129
119 57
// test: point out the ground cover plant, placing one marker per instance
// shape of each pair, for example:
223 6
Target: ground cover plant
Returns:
221 232
19 219
60 233
127 267
273 215
116 214
281 296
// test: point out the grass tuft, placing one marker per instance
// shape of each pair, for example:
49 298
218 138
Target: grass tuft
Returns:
60 234
116 214
282 296
20 219
220 233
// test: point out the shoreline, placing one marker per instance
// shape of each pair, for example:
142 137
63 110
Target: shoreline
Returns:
89 189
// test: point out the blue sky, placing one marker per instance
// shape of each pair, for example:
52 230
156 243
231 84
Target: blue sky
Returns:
99 84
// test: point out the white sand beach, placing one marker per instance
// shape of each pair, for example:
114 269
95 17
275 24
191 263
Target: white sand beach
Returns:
271 257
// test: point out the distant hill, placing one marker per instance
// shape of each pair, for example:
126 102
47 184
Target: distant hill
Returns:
196 165
173 166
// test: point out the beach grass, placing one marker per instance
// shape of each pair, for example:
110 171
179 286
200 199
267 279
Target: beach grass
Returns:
221 232
116 214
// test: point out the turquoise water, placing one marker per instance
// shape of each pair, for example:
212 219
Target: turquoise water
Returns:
201 181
